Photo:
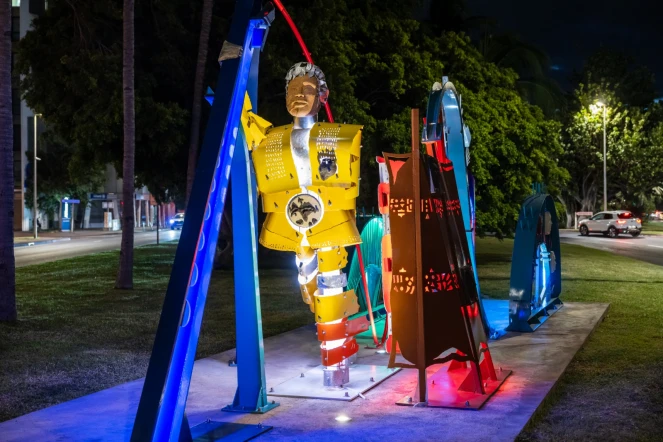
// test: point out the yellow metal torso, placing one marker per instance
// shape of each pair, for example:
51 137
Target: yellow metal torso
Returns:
278 182
308 180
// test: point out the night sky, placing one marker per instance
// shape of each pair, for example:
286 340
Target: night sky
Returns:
569 31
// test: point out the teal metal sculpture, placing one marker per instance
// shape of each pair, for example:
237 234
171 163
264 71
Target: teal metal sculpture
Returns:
371 248
536 267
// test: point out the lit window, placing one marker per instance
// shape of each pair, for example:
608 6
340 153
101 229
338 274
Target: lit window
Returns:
16 3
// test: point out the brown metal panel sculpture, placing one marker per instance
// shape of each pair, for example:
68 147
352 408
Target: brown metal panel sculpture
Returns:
436 317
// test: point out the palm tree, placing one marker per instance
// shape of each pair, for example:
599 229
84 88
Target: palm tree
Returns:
505 50
7 264
530 63
125 273
206 23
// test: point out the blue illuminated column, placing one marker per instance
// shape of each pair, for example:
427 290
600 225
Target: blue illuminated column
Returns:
160 415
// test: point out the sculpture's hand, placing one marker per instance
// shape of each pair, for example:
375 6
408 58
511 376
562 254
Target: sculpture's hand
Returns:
255 127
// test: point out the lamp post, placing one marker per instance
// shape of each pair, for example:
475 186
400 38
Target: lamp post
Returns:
601 105
34 180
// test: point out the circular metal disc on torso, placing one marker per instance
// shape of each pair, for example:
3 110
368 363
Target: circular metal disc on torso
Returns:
305 211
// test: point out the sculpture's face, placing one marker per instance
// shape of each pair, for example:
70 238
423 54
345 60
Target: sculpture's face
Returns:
302 98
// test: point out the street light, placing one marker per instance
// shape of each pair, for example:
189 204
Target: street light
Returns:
596 108
34 179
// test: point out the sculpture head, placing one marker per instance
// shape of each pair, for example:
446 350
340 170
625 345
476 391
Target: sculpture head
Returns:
305 90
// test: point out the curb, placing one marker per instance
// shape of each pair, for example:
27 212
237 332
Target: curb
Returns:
40 242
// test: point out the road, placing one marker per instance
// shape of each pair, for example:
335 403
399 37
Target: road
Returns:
84 245
647 248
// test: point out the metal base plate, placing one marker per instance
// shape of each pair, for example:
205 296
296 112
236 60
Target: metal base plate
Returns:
443 390
255 410
228 431
362 379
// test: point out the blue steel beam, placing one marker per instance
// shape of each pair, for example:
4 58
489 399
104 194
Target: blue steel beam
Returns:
251 395
161 408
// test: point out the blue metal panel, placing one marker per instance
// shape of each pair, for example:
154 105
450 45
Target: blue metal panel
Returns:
162 404
445 119
535 282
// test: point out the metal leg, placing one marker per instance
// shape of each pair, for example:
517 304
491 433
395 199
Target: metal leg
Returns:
251 395
336 375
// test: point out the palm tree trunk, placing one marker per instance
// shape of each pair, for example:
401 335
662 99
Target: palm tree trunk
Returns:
125 274
7 264
206 23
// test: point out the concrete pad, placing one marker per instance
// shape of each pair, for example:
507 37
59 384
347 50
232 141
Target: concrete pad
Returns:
537 360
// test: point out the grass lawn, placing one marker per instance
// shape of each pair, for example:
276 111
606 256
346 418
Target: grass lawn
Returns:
77 335
613 389
653 228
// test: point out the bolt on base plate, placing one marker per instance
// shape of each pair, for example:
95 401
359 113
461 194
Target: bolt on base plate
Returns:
310 386
443 390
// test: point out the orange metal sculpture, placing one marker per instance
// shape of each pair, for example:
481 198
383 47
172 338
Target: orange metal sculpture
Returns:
435 314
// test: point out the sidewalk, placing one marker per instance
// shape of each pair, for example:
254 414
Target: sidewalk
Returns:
25 239
28 241
537 360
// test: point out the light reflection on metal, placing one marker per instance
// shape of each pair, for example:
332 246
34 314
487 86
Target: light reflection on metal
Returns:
536 268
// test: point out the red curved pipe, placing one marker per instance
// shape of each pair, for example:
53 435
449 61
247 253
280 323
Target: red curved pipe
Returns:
300 40
309 59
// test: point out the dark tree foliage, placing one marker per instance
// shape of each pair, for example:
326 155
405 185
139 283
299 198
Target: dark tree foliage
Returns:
72 67
380 62
380 58
634 126
632 84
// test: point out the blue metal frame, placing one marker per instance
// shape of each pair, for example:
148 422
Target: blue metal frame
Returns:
445 105
531 266
160 414
251 395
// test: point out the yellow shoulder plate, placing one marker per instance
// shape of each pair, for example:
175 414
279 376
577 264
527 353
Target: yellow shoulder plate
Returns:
255 127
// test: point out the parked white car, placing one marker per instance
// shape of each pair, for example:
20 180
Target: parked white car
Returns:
611 224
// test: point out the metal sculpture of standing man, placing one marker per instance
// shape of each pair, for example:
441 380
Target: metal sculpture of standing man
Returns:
308 177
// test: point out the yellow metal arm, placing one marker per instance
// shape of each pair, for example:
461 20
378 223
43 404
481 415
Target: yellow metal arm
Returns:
255 127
